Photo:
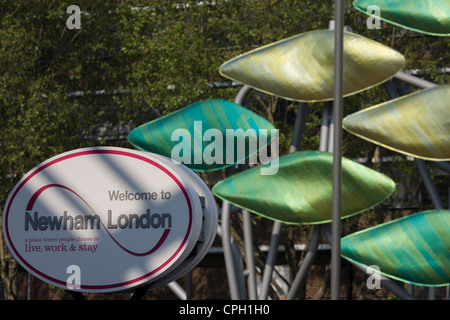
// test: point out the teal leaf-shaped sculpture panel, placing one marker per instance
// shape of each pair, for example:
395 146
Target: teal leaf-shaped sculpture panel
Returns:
424 16
206 135
414 249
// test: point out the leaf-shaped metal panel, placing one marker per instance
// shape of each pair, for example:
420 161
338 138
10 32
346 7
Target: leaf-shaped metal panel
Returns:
205 136
414 249
425 16
301 68
301 191
417 124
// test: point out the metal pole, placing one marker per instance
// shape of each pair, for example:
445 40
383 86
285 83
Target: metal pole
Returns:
324 128
330 145
189 285
299 126
233 273
232 256
178 290
29 287
300 278
297 137
414 80
240 97
270 259
231 252
443 165
429 185
337 150
247 224
249 255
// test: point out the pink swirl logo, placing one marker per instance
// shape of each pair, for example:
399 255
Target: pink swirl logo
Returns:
33 199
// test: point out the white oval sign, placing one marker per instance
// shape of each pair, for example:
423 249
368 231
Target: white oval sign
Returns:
120 218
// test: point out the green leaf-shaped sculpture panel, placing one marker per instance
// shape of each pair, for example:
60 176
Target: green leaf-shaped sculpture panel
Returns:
301 68
414 249
301 191
424 16
417 124
205 136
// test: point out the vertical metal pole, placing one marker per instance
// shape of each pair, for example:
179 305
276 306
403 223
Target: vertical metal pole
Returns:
247 224
233 273
270 259
300 278
299 127
330 144
231 252
297 137
337 150
29 287
429 185
327 111
324 128
435 199
189 285
249 255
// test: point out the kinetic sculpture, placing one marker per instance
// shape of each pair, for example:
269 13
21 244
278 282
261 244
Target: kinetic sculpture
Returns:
300 68
413 249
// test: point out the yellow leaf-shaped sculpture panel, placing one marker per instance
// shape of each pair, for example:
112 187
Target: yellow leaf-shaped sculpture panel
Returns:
301 68
417 124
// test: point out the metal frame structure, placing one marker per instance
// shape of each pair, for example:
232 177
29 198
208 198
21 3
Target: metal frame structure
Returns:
234 264
331 141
